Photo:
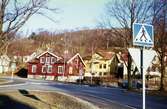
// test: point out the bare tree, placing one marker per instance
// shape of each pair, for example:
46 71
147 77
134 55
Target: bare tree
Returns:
15 13
160 25
125 13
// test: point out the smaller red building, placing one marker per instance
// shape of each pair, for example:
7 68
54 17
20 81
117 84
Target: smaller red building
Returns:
49 66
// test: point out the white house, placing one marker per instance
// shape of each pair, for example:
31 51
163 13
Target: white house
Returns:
123 62
4 63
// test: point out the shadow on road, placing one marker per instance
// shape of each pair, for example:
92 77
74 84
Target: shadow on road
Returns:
7 102
27 94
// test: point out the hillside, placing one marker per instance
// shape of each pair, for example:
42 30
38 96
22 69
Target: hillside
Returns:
83 41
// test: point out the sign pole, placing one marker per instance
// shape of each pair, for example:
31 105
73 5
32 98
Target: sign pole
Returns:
143 36
143 76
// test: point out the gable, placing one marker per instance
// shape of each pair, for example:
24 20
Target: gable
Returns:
75 58
47 53
44 55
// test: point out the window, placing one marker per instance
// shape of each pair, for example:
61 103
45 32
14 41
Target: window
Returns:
100 66
42 60
53 60
47 60
76 60
34 68
49 70
104 66
70 70
44 69
60 69
100 73
105 73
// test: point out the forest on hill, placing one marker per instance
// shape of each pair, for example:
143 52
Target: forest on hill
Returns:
82 41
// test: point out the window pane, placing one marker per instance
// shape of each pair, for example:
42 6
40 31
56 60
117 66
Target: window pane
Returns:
34 67
104 66
60 69
49 69
70 70
100 73
44 69
42 60
53 60
47 59
100 66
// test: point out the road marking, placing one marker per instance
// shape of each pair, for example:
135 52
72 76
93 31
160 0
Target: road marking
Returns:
10 85
38 83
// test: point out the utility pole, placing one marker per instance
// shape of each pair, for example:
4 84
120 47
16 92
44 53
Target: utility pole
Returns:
64 55
92 66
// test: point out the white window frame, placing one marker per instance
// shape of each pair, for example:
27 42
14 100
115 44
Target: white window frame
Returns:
44 66
49 68
48 60
53 60
34 68
62 67
42 59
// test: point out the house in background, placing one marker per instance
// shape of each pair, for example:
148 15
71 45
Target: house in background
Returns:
4 63
101 64
45 66
31 56
49 66
154 68
122 70
7 64
75 68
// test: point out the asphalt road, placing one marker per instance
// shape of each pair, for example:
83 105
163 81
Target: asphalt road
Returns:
103 97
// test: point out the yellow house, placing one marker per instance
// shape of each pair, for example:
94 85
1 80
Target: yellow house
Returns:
101 63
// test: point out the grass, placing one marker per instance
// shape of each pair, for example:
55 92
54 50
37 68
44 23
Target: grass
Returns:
23 99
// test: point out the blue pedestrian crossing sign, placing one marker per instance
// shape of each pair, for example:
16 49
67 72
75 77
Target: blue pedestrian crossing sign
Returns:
143 35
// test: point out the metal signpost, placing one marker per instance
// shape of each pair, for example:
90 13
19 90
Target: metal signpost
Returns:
143 37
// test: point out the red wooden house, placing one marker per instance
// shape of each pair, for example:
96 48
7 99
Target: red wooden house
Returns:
52 67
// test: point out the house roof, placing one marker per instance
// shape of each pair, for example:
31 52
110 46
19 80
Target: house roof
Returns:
87 57
75 57
48 53
67 58
39 54
33 61
106 54
123 56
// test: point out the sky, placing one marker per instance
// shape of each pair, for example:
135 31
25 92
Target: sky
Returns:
72 15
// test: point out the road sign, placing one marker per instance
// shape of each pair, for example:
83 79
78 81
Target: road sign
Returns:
148 56
143 35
